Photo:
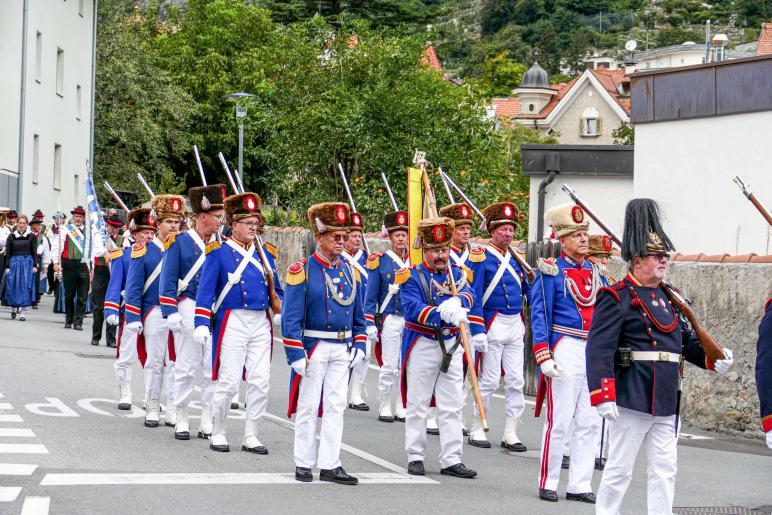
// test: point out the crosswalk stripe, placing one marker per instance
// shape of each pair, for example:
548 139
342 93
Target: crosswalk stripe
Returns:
9 493
23 448
35 506
10 418
6 406
16 469
12 431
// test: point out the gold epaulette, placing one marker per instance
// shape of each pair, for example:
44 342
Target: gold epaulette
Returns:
116 254
548 266
374 261
477 255
213 246
402 276
272 249
469 274
296 273
138 250
171 239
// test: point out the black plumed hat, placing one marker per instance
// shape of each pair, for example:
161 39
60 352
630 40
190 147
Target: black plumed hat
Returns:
643 233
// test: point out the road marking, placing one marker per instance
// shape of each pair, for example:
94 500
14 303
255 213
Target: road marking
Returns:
221 478
5 406
35 506
16 469
23 448
7 431
9 493
11 418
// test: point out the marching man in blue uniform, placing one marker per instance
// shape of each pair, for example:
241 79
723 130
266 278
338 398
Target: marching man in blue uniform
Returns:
323 328
180 275
562 300
385 315
635 350
142 230
357 258
501 286
431 349
143 307
234 291
764 371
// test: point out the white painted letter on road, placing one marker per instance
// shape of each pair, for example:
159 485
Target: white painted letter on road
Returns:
53 408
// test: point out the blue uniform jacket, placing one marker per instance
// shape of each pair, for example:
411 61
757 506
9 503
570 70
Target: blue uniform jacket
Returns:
383 272
507 296
144 260
119 271
645 386
764 367
309 306
359 261
179 258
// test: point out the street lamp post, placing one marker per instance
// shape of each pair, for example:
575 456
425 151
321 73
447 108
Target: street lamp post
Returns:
241 114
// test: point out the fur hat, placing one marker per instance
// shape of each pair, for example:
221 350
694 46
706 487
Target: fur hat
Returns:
643 233
140 220
356 223
498 214
77 211
396 221
328 216
168 206
599 245
243 205
434 233
460 213
566 218
206 198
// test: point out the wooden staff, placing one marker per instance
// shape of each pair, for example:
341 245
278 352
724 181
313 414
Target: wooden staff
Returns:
745 188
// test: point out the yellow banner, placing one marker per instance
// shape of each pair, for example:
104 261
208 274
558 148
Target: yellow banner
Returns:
415 210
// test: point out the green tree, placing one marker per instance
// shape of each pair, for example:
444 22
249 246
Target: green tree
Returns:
677 36
624 134
577 50
499 75
548 51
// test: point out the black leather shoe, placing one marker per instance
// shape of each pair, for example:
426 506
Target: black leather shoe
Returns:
220 448
514 447
359 407
382 418
234 405
258 449
125 406
66 326
151 423
482 444
399 419
95 343
566 462
416 468
465 432
433 432
588 497
303 475
203 435
548 495
459 470
111 345
182 435
78 327
337 475
600 463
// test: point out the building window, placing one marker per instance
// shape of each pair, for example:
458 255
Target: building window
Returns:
57 167
78 99
81 7
60 72
590 123
35 158
76 187
38 56
530 107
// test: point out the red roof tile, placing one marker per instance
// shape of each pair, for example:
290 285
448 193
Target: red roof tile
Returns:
765 40
611 80
563 89
506 108
429 57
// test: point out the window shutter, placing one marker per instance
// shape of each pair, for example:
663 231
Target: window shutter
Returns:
600 127
581 126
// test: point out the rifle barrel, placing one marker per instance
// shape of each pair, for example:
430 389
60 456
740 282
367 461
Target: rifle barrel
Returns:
200 166
116 196
391 193
745 188
228 173
571 193
146 185
447 188
351 201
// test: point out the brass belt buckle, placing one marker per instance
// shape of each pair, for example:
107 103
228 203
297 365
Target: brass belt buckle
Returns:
342 334
664 356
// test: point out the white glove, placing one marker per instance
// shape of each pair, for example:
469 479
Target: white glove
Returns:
355 355
458 316
480 342
449 305
202 335
174 321
608 410
722 365
550 368
299 366
277 319
394 289
112 320
769 440
133 327
372 333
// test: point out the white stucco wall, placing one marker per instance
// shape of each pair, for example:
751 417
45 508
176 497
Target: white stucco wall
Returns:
672 60
607 196
53 117
567 125
688 165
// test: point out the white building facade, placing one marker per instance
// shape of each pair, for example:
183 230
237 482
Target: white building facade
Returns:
46 78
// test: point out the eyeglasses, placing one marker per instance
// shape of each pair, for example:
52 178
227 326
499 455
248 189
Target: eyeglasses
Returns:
251 225
660 256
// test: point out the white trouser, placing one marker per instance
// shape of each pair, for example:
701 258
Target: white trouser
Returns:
192 357
328 374
658 436
423 379
246 343
568 398
505 350
127 356
391 348
359 374
156 334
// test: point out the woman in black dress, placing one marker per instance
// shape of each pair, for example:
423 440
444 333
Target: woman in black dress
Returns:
20 249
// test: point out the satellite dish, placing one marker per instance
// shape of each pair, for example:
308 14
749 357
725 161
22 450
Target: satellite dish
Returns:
631 45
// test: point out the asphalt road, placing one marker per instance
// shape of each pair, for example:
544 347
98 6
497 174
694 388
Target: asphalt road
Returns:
66 449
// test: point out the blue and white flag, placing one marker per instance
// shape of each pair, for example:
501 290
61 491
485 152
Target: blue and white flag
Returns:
96 220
